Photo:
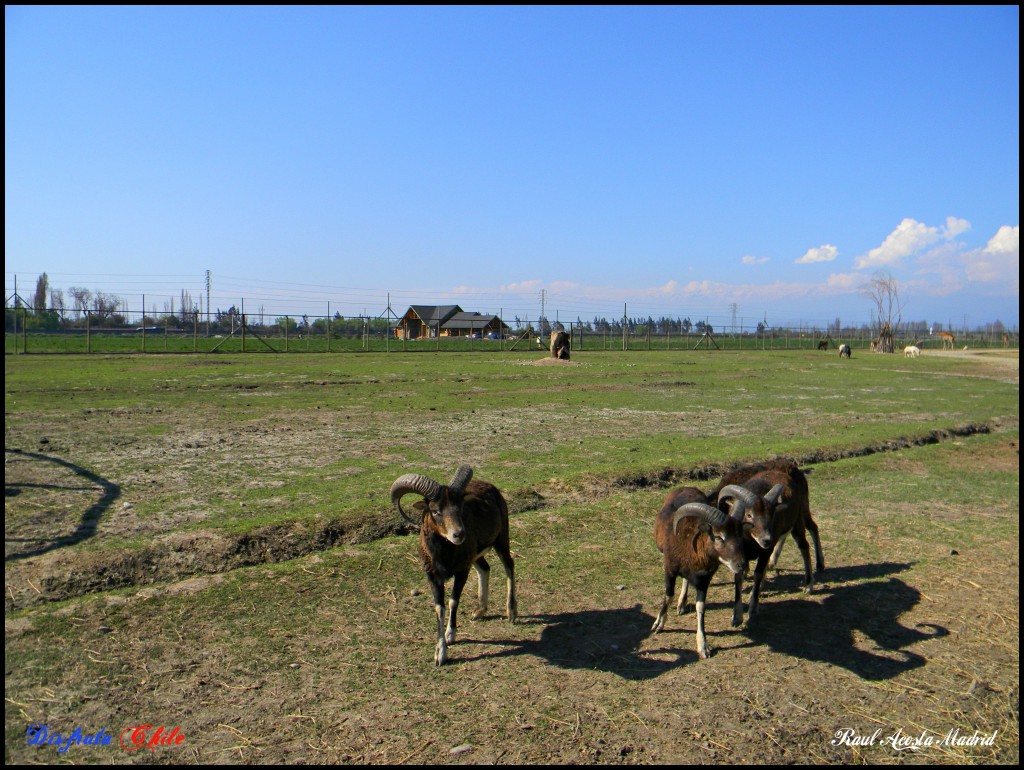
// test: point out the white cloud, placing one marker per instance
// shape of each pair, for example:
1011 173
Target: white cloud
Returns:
667 290
700 287
956 226
558 287
520 287
909 237
844 282
939 271
998 261
749 260
1006 241
824 253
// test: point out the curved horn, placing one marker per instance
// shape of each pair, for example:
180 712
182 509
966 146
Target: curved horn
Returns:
461 478
706 513
774 494
413 482
744 497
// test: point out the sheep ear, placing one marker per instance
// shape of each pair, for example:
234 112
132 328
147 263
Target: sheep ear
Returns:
704 526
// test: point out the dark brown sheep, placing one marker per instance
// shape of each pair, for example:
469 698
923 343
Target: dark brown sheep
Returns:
458 524
775 501
694 538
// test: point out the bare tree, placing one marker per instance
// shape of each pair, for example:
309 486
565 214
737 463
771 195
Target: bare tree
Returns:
105 305
57 301
884 292
80 297
188 307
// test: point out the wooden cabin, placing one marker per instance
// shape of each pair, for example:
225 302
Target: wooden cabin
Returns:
429 321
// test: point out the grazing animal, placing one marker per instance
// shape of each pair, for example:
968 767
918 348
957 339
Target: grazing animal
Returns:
844 351
774 500
458 524
911 351
823 345
560 345
694 538
947 338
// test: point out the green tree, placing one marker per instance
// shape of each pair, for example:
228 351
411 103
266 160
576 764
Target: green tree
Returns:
42 294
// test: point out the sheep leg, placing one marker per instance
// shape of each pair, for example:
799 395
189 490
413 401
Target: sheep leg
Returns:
755 592
737 605
453 604
441 650
776 551
504 551
805 551
819 556
670 588
702 642
681 605
483 575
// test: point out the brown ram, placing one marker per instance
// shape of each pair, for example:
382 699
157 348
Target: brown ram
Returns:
458 524
774 500
694 538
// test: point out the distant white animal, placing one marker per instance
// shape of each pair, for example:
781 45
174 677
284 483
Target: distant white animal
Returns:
911 351
844 351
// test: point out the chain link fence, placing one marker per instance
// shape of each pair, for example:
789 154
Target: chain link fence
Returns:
28 331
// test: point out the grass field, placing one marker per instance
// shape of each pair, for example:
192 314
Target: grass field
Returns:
205 542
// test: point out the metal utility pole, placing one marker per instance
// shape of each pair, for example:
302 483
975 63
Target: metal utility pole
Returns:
540 321
208 282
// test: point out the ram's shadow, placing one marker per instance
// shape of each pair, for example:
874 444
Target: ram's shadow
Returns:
600 640
824 630
85 528
791 579
803 626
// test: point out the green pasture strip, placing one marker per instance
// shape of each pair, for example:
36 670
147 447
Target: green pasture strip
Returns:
933 499
242 442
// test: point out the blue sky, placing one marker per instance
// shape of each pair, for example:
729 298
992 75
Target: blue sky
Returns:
676 161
